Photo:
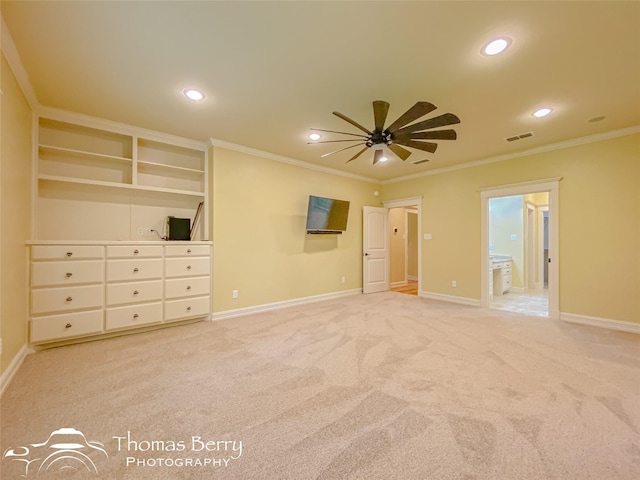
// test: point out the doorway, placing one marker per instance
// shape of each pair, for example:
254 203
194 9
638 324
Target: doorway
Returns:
405 220
403 250
517 241
520 275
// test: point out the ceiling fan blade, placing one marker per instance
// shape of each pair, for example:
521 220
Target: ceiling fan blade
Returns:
341 133
380 110
426 146
418 110
434 135
435 122
420 161
340 150
403 153
377 155
357 154
336 141
352 122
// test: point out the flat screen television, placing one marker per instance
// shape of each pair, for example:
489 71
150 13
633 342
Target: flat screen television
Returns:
327 215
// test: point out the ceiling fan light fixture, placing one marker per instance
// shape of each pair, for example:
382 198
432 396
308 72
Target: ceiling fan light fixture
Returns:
496 46
542 112
314 136
193 94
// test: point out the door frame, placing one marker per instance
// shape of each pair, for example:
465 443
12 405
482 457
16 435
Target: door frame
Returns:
550 185
415 202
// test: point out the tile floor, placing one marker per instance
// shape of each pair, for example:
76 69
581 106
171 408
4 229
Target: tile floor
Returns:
536 304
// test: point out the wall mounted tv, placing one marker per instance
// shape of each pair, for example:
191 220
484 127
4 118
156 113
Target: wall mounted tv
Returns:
327 215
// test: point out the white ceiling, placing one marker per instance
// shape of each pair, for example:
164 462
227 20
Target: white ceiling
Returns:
273 70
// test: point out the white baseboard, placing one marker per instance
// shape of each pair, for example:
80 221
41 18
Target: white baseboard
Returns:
239 312
601 322
450 298
398 284
13 367
413 278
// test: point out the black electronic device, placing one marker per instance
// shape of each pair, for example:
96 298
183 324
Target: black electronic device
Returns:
327 215
178 228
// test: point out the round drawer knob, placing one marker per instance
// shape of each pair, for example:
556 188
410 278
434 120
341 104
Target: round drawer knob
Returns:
135 316
69 254
188 287
68 325
188 309
135 252
135 270
135 292
188 267
69 299
68 274
188 250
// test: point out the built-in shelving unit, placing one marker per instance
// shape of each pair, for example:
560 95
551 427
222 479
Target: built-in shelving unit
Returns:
104 181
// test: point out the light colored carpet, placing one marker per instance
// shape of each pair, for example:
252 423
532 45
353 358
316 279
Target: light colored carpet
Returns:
384 386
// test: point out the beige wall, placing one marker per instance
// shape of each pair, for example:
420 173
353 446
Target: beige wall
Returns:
260 246
599 215
15 215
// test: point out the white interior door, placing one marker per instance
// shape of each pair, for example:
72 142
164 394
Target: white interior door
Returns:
375 250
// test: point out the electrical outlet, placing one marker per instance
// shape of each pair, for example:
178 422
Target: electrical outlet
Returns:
234 294
454 283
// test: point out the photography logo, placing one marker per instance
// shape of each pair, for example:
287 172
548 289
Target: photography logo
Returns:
66 450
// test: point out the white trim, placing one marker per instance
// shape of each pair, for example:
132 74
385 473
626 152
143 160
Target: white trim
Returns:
510 156
472 302
412 278
15 63
214 142
13 368
601 322
240 312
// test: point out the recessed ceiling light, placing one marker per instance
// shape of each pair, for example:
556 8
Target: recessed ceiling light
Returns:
496 46
193 94
314 136
542 112
383 159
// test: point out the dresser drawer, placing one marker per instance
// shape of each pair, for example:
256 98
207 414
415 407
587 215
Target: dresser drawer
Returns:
187 287
133 251
506 283
66 252
187 250
119 293
142 269
48 300
133 315
186 308
182 267
58 327
506 271
66 273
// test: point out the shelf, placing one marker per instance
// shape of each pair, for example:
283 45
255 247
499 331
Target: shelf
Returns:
81 153
80 181
171 167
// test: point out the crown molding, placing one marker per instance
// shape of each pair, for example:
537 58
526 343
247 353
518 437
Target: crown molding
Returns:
290 161
524 153
12 56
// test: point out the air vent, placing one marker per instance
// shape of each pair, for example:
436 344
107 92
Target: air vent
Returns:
418 162
519 137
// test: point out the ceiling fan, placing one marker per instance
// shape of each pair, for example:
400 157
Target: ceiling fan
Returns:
398 133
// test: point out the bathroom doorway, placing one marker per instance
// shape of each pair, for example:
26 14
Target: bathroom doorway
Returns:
519 244
403 250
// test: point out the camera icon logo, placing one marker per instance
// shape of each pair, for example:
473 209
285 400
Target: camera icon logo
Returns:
66 450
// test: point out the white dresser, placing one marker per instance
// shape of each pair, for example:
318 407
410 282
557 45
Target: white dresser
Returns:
82 289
